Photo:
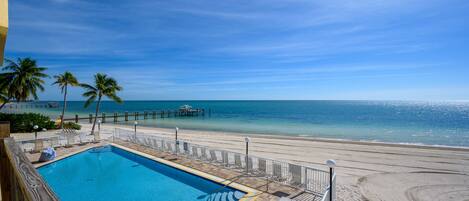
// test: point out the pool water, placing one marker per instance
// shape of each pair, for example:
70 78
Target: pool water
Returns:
111 173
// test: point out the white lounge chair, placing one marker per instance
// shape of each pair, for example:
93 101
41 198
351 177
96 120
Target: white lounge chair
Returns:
277 171
169 147
195 152
224 156
295 174
237 158
262 166
213 156
204 153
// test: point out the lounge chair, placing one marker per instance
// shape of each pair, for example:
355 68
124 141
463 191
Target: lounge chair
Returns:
295 175
237 158
277 171
148 142
262 166
224 157
169 147
213 156
204 153
186 147
162 145
82 137
155 144
195 152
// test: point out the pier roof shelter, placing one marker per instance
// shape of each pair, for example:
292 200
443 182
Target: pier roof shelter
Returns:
3 27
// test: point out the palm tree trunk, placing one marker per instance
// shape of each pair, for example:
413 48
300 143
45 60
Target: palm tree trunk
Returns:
6 101
96 115
63 110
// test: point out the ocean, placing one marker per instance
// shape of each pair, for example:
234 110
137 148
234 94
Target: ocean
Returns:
428 123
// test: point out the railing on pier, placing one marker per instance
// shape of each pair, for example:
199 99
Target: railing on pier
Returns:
19 179
128 116
311 180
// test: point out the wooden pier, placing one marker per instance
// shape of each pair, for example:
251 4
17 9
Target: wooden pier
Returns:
129 116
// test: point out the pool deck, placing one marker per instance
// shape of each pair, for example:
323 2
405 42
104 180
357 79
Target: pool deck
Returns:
209 171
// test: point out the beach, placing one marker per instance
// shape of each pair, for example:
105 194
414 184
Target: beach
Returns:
366 170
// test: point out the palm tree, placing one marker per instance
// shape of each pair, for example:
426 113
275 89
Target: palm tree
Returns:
103 86
22 80
3 97
64 80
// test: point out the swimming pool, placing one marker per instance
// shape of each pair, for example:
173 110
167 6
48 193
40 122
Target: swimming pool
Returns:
111 173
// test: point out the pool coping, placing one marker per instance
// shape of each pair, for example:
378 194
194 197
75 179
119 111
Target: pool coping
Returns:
66 156
251 194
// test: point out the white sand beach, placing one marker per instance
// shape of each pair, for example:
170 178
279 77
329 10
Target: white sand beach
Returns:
366 171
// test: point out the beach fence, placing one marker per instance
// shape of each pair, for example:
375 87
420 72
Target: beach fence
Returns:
312 180
142 115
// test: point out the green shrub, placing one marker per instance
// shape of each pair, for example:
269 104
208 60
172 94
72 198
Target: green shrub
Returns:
72 125
24 123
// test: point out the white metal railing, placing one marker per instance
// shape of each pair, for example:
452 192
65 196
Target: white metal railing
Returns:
327 195
310 179
61 138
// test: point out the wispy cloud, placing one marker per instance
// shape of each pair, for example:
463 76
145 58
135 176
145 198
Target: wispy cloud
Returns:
158 48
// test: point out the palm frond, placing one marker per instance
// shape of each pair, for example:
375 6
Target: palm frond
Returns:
89 101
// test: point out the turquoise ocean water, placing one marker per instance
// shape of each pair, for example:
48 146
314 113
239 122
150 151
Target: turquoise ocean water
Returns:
431 123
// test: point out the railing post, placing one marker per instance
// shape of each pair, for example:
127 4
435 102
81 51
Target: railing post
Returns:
136 115
247 140
126 116
76 118
103 118
145 113
331 164
162 113
154 115
91 118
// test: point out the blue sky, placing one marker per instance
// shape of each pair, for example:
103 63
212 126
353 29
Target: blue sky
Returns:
266 49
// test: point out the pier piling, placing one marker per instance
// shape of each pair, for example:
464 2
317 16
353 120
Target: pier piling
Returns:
103 117
146 114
